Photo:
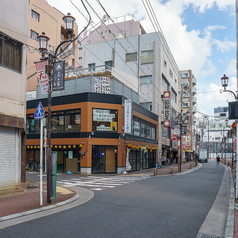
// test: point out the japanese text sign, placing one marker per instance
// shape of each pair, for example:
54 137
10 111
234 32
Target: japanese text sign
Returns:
166 109
42 76
58 75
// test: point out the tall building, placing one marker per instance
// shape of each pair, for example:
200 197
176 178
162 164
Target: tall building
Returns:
13 58
221 113
127 48
45 18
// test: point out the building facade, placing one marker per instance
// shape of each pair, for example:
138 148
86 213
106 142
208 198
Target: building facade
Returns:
87 134
13 58
45 18
127 48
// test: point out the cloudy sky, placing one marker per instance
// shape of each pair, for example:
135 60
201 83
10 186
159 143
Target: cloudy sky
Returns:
201 36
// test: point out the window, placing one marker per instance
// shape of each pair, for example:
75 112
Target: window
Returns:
147 105
146 79
185 94
91 67
35 15
108 64
131 57
147 57
104 120
143 128
10 53
165 84
170 73
34 35
80 58
165 63
185 104
173 96
185 75
109 31
80 48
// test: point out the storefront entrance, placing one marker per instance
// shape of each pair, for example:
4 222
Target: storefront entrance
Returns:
104 159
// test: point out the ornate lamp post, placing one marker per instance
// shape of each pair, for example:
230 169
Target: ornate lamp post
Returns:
224 82
43 41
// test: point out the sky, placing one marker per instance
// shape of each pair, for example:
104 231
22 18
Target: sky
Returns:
201 36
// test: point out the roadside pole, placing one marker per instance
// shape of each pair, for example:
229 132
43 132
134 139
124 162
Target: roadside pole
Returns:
39 114
41 159
236 160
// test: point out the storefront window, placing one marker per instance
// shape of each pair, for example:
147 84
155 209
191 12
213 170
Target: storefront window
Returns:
104 120
136 128
148 131
143 130
63 121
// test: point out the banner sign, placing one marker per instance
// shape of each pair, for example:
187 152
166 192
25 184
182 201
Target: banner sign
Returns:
102 115
167 109
42 76
102 85
127 116
58 76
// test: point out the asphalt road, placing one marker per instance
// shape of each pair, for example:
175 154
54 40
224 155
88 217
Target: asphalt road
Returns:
161 206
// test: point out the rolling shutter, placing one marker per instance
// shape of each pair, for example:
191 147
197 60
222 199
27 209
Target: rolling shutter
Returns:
8 160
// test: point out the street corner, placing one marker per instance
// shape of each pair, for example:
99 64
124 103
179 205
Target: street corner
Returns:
64 191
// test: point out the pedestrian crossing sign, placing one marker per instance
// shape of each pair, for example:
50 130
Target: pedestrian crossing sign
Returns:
39 113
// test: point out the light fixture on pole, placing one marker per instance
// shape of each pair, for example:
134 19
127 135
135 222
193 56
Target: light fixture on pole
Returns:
224 82
43 41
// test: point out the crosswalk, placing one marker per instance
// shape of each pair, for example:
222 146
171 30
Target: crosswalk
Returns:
99 183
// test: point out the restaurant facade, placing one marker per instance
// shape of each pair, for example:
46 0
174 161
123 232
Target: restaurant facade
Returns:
88 134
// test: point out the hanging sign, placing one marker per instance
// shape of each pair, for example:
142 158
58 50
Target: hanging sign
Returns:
127 116
58 76
166 109
42 76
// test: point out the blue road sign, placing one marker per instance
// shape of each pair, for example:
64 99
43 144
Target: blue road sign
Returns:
39 113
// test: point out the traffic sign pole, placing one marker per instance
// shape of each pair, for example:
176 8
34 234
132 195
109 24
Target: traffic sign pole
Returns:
41 159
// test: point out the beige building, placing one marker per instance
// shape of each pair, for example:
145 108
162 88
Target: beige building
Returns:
189 101
45 18
13 57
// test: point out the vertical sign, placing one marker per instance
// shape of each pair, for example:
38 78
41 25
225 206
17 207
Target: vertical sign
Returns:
58 75
127 116
102 85
42 76
167 109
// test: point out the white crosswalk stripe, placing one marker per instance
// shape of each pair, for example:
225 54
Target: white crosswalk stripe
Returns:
99 183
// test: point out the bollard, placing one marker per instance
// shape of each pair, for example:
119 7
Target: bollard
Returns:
190 166
155 171
171 170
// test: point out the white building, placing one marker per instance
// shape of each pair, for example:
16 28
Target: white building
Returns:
128 49
14 20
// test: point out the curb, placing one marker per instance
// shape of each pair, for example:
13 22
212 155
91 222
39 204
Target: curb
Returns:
230 224
20 214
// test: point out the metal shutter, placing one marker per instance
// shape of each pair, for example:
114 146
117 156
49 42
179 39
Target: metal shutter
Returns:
8 159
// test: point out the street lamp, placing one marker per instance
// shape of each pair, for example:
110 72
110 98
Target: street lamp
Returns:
224 82
182 120
43 41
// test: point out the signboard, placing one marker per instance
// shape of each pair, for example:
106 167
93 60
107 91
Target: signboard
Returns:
102 115
39 113
58 76
127 116
102 85
184 130
43 78
167 109
233 110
